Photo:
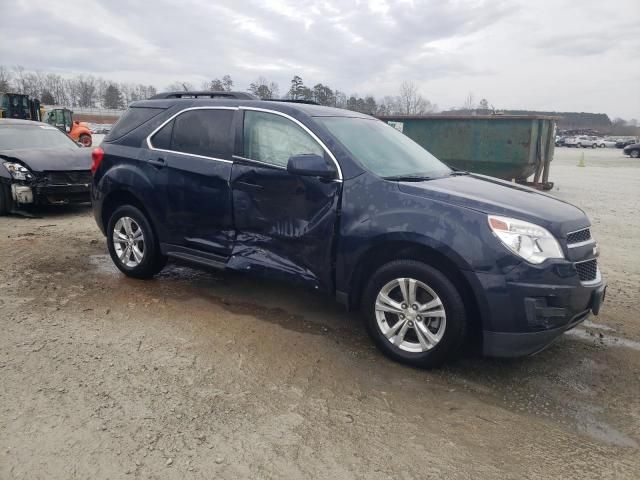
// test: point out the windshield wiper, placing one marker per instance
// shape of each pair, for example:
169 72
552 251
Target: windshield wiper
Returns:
456 173
408 178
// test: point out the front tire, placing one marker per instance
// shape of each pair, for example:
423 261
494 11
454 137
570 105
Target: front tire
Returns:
132 243
634 153
414 313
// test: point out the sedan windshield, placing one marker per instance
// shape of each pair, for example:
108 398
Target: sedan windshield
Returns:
17 137
383 150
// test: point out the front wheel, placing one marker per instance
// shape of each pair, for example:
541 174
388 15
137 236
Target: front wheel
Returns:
594 145
132 243
634 153
414 314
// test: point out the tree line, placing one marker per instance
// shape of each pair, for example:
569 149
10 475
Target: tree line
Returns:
92 91
78 91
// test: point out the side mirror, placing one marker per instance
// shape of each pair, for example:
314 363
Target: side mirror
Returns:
310 165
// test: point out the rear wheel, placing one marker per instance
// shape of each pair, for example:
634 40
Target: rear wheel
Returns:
85 140
414 313
6 200
132 243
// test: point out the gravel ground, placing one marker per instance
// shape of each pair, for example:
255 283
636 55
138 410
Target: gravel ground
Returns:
208 375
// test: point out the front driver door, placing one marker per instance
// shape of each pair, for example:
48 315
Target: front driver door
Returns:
285 224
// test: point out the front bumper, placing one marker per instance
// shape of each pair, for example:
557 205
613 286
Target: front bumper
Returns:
522 315
24 194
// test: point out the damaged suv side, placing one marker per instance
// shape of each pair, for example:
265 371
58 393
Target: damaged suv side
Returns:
342 203
40 164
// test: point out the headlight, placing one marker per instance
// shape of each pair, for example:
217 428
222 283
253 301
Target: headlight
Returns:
531 242
17 171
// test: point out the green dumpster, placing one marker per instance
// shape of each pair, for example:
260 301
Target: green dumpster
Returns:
511 147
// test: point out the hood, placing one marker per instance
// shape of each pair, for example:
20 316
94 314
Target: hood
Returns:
50 159
492 196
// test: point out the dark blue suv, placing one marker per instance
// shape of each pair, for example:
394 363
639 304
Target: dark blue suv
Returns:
343 203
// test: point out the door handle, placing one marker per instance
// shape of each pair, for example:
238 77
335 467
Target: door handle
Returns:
159 162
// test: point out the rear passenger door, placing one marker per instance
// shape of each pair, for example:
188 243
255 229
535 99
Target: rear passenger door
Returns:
192 154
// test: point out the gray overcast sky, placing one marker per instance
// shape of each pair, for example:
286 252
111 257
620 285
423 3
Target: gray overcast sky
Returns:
544 54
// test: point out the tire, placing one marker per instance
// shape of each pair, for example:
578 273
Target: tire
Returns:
634 153
594 145
85 140
6 200
447 332
143 259
602 145
578 145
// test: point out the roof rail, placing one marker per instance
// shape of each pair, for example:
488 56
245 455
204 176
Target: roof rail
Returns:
204 94
290 100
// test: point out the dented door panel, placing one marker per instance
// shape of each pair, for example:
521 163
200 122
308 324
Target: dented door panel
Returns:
285 224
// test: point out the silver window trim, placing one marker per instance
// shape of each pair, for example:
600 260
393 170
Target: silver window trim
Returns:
238 157
304 127
151 147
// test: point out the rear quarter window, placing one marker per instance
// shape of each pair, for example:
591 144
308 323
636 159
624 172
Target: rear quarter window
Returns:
132 118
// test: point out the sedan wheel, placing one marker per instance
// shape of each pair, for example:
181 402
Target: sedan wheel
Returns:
410 315
635 153
128 242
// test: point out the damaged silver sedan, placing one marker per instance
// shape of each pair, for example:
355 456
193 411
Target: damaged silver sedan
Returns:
40 165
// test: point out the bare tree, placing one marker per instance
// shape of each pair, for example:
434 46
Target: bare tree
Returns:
264 89
470 102
411 102
5 79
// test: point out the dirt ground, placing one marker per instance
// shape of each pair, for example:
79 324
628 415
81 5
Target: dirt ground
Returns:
207 375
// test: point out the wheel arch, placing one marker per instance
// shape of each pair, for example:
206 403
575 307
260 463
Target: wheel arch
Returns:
119 197
397 249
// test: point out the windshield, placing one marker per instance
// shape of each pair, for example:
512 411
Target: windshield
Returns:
382 149
16 137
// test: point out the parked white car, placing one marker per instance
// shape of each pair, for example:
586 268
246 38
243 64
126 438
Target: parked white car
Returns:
582 141
605 143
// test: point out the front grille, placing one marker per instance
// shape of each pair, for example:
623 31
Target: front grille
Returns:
579 236
69 178
587 271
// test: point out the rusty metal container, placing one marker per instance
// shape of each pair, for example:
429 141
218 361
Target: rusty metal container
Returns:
510 147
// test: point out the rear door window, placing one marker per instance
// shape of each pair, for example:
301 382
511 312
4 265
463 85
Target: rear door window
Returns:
205 132
162 139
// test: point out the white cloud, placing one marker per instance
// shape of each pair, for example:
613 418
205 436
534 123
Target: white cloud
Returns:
548 54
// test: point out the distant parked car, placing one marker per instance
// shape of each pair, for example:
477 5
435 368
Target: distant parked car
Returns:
632 150
40 164
604 143
560 141
622 143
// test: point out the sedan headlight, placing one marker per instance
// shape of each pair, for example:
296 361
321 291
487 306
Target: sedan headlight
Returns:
527 240
18 171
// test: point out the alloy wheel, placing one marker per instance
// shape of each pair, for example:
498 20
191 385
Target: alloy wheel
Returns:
410 315
128 242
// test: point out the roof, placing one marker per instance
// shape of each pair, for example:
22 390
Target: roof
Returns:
279 106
